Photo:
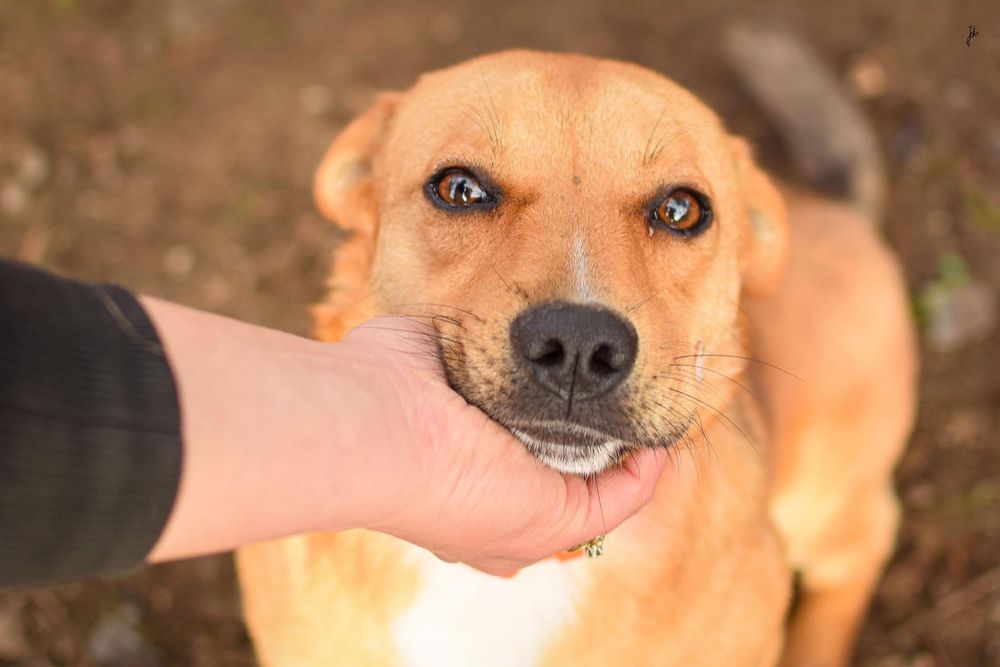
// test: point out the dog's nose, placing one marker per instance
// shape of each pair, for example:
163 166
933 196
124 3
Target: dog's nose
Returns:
575 350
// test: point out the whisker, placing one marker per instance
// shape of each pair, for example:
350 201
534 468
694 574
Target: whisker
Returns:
721 374
433 318
649 298
721 414
419 304
687 377
600 504
750 359
704 436
676 418
511 289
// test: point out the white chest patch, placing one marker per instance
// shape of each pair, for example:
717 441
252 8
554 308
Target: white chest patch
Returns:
462 617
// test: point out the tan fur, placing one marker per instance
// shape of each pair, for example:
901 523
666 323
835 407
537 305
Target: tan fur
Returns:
798 480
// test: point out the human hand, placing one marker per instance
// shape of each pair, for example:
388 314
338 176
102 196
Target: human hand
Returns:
444 476
284 435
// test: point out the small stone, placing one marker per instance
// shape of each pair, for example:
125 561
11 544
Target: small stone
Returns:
867 76
178 261
13 199
116 641
921 497
959 95
959 315
963 426
316 100
33 169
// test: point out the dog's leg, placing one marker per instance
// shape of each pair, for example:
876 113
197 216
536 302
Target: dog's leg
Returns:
838 512
837 585
839 321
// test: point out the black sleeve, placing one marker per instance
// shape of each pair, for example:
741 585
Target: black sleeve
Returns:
90 445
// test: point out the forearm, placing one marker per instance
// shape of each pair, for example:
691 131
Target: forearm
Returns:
270 422
107 404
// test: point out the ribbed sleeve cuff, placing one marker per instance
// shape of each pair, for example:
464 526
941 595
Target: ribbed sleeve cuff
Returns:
90 444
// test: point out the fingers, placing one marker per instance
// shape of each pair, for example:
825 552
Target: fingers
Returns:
514 511
498 566
605 502
615 495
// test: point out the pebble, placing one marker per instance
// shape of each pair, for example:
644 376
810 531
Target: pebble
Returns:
179 261
959 95
33 168
13 199
921 497
867 76
959 316
316 100
116 642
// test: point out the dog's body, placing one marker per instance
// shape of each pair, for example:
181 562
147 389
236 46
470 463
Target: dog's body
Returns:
773 471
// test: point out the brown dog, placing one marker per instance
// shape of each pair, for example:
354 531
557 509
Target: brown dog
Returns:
615 272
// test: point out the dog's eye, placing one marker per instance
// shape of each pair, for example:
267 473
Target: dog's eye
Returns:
683 211
458 188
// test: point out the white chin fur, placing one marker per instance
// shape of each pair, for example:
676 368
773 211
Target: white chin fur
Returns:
569 458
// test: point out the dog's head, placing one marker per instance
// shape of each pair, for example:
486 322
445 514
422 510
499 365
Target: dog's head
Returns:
580 232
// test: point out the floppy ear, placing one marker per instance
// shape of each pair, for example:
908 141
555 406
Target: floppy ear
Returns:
344 190
765 239
343 186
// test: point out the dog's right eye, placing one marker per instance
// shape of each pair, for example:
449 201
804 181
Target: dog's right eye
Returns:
458 188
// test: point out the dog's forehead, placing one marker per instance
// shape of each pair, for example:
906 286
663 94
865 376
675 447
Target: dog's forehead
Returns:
527 102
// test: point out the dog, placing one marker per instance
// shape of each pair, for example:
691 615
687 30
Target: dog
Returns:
625 275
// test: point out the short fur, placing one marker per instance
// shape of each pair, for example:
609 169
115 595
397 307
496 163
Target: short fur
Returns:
772 471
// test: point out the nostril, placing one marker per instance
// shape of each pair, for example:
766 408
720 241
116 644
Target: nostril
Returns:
573 350
552 354
602 362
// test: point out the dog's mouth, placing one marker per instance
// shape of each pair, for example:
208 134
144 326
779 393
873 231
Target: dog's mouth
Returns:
571 448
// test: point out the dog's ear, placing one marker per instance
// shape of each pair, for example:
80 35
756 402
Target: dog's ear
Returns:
765 240
343 186
344 189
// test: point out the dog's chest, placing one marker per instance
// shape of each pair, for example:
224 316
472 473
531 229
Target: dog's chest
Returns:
463 617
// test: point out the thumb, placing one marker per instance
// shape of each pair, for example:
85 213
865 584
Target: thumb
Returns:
605 501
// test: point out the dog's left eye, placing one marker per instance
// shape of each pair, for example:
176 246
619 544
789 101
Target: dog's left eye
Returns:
457 188
683 212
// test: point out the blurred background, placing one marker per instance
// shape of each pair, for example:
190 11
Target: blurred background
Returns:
170 146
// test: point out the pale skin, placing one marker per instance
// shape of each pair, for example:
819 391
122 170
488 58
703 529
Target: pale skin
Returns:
285 435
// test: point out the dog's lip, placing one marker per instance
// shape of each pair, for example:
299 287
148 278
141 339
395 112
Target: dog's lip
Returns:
570 448
564 433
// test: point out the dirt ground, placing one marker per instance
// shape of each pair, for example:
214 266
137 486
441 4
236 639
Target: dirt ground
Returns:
169 146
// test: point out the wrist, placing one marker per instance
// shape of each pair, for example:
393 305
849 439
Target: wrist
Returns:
271 427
